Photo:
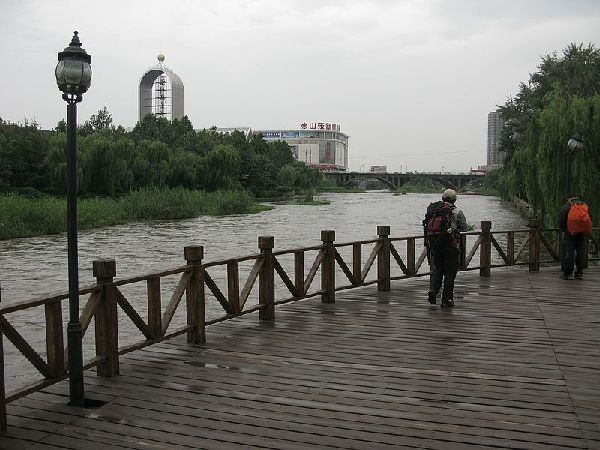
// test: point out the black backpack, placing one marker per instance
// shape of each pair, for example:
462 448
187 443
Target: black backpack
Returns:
437 224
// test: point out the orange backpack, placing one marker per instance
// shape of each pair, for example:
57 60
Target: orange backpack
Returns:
578 219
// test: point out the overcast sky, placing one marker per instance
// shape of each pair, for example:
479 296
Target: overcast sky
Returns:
411 82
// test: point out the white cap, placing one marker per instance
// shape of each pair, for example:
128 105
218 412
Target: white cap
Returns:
449 194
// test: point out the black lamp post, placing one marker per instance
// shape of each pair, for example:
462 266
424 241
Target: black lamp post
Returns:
73 76
574 145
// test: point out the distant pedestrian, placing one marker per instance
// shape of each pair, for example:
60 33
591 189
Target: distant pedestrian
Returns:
576 226
442 226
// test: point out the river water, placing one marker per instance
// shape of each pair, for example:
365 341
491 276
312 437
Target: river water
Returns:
37 267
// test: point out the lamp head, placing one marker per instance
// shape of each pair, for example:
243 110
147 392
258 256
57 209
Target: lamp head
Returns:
575 144
73 71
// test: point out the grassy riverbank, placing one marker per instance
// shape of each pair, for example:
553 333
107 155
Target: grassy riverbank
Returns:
21 216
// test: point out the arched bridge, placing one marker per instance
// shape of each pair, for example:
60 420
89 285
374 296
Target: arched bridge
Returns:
397 180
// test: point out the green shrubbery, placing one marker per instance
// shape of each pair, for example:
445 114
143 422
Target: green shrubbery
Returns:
21 216
422 186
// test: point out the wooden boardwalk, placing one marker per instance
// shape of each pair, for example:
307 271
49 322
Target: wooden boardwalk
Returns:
515 365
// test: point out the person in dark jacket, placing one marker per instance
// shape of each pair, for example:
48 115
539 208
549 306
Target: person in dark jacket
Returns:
573 244
445 257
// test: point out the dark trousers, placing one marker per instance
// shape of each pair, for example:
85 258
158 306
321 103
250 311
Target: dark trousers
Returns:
574 248
445 259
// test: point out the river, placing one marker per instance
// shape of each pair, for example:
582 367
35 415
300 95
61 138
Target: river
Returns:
37 267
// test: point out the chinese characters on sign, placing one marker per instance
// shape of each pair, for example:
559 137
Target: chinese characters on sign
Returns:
320 126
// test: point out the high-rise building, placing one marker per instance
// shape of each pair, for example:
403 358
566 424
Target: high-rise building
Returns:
495 157
161 92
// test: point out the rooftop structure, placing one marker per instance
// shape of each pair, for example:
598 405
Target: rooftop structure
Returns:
161 92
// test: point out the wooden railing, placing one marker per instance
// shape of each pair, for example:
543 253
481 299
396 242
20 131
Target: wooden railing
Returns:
396 258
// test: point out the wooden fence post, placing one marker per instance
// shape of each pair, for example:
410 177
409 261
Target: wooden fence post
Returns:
3 423
534 245
462 252
560 248
194 296
328 267
510 248
107 325
485 250
383 259
55 347
299 273
586 251
233 286
357 262
154 307
266 279
411 256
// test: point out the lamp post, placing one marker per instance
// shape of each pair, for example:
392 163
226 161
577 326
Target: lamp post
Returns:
73 77
574 145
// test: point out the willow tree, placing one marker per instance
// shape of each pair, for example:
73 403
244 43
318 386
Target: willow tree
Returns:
562 98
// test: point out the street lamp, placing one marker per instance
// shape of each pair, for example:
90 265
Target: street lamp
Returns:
73 77
574 145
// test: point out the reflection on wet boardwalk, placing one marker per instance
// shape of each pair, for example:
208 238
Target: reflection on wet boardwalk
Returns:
515 365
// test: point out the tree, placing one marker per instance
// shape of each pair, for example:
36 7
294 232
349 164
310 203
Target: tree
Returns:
61 126
562 98
153 128
23 157
220 168
97 123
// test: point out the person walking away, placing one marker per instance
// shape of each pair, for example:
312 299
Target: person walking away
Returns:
576 226
442 226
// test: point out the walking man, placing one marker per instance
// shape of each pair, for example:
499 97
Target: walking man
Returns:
576 226
443 223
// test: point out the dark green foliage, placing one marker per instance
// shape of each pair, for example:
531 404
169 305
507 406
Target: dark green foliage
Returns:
220 168
156 153
296 175
562 98
23 157
98 122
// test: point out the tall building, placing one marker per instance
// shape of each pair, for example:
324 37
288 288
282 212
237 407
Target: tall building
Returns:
495 157
161 92
318 144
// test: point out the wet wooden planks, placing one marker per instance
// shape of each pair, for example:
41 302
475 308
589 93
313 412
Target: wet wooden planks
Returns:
514 365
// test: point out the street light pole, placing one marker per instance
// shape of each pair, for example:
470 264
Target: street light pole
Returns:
74 331
73 77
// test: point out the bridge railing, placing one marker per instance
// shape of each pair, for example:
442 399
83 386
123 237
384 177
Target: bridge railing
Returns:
226 289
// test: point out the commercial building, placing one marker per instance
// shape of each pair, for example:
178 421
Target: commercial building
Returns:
318 144
161 92
495 157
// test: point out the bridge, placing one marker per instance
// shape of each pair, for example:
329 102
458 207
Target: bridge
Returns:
397 180
363 361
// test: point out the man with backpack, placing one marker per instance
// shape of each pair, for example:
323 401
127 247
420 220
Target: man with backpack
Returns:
576 225
442 226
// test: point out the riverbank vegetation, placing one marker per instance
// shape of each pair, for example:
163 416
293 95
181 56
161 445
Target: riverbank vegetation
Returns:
560 99
424 186
160 170
21 216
